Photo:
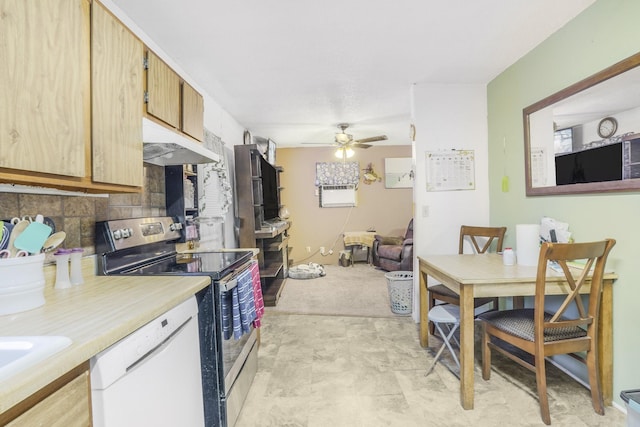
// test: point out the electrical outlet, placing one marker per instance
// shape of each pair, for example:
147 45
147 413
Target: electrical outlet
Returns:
308 249
321 250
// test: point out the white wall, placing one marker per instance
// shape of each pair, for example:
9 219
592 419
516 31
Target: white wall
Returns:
448 116
602 35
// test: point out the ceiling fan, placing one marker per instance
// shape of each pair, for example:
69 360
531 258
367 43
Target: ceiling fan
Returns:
345 140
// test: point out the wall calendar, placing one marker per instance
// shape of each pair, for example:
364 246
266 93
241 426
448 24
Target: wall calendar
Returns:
450 170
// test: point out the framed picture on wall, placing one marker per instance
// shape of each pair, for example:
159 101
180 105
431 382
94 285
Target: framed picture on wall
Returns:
398 172
271 152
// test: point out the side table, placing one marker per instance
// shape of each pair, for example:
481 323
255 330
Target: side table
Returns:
361 239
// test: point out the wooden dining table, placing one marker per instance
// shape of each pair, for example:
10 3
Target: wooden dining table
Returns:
484 275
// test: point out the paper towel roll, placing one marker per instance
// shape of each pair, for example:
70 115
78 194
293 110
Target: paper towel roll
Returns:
527 244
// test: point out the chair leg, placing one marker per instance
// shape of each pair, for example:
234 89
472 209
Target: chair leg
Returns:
541 380
486 354
594 382
432 302
452 330
446 343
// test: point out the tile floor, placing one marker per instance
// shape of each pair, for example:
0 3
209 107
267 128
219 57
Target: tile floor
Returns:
358 371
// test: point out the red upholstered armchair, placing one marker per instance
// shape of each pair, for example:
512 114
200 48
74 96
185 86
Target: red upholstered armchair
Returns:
394 253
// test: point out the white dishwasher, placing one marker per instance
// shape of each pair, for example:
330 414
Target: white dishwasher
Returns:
151 377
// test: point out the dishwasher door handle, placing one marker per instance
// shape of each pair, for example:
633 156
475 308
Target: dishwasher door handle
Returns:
158 348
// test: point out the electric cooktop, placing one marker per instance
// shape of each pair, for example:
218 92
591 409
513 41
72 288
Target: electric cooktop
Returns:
214 264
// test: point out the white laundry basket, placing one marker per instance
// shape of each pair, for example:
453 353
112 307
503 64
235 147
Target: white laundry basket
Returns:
400 286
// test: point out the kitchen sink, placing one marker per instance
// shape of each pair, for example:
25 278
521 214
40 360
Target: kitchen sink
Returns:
22 352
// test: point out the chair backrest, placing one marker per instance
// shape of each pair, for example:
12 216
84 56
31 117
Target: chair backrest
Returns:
409 233
565 256
481 234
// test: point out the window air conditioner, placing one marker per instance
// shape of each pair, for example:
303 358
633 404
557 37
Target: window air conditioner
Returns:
337 196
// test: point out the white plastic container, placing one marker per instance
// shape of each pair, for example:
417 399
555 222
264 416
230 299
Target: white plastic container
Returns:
21 283
632 401
508 257
62 268
75 274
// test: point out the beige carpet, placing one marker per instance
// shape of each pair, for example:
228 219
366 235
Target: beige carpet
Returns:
359 290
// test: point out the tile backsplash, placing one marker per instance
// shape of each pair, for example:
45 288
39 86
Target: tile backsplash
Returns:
76 215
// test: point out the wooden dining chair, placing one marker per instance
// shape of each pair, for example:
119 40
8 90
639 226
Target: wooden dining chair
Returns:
545 330
481 239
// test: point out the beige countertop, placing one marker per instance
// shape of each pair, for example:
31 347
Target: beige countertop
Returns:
94 316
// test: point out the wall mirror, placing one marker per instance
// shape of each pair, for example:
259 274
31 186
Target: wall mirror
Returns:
586 138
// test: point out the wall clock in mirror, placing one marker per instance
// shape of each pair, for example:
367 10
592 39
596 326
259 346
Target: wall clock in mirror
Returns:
607 127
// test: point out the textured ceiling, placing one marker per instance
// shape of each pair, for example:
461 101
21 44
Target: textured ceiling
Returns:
291 70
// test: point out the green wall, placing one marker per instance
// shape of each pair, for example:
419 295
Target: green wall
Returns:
605 33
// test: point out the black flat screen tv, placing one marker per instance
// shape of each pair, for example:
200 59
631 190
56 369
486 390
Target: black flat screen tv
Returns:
592 165
269 178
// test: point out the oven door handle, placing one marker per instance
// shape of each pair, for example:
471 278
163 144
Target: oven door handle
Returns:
230 281
227 285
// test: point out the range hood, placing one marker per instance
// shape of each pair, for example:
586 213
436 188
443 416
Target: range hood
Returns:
164 147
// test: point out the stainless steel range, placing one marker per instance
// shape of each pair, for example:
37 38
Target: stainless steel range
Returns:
146 246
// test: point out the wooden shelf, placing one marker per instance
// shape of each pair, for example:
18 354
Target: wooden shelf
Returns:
174 195
253 177
271 270
271 293
276 246
267 233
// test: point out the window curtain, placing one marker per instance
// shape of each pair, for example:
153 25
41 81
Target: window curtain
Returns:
337 173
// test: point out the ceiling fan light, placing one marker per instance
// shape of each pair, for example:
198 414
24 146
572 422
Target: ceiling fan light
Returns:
344 153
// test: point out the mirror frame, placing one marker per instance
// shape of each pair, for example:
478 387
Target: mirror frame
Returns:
591 187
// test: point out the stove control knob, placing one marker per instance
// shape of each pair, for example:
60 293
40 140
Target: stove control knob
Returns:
175 226
130 230
126 232
117 234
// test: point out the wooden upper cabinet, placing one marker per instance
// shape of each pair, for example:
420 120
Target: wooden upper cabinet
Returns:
117 87
192 112
44 82
163 91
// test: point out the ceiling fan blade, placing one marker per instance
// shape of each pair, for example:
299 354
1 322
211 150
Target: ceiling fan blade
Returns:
359 145
372 139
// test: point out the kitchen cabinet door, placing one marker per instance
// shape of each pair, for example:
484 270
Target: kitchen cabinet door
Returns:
64 403
117 89
192 112
163 91
44 86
